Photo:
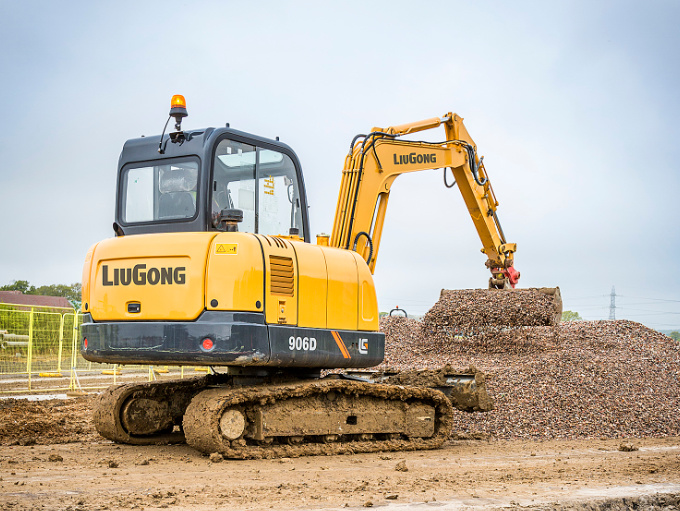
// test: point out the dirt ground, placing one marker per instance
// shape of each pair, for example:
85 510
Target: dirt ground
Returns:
50 458
98 474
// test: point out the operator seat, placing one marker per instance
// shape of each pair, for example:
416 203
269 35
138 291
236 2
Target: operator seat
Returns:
176 205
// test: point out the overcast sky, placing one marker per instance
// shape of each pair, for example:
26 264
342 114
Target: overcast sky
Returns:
574 105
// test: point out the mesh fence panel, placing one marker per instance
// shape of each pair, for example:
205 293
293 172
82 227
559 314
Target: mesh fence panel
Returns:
40 345
14 337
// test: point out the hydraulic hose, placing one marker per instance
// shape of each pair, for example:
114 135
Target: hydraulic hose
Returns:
370 137
447 184
370 245
473 165
354 141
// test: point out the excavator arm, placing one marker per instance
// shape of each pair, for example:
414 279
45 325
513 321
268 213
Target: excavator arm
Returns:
377 158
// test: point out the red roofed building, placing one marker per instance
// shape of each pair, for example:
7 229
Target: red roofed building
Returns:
23 301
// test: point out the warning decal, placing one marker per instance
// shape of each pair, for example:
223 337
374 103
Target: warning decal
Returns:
226 248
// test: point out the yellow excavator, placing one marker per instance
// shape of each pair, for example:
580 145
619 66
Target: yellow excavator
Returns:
212 265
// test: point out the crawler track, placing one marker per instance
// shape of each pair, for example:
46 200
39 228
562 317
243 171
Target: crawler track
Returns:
293 419
147 413
275 419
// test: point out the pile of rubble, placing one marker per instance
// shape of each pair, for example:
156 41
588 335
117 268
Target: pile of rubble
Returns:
612 379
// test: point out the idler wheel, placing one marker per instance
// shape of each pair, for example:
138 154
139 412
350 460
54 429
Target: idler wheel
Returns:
232 424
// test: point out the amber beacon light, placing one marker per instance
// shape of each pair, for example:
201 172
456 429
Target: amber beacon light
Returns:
178 106
178 109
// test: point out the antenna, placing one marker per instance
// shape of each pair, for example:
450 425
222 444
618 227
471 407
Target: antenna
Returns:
612 304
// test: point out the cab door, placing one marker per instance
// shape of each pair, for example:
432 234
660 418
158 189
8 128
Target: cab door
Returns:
264 181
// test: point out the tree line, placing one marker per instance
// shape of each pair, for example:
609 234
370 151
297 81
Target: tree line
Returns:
70 292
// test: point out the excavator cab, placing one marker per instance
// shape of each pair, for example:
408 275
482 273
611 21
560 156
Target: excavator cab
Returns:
186 187
212 265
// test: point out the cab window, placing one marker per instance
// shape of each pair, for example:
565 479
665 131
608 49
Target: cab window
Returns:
233 185
165 191
259 181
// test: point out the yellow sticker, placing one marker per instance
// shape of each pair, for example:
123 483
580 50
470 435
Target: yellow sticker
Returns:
226 248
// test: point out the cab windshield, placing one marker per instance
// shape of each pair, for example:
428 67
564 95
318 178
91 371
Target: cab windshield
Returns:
165 191
260 182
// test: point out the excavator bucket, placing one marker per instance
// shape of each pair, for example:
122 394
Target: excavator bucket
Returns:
554 293
466 389
476 309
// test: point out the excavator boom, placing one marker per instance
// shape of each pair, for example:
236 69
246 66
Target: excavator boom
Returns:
376 159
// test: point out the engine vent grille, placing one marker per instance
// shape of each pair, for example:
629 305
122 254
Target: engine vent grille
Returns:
282 276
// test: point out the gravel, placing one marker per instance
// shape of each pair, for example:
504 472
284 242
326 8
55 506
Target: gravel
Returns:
469 310
584 379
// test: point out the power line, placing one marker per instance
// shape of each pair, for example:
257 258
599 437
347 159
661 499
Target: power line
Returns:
649 310
649 313
655 299
634 303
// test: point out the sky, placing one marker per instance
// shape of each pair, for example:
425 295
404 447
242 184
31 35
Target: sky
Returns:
573 104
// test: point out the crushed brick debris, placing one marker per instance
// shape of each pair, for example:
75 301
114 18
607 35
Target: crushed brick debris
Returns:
582 379
468 310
